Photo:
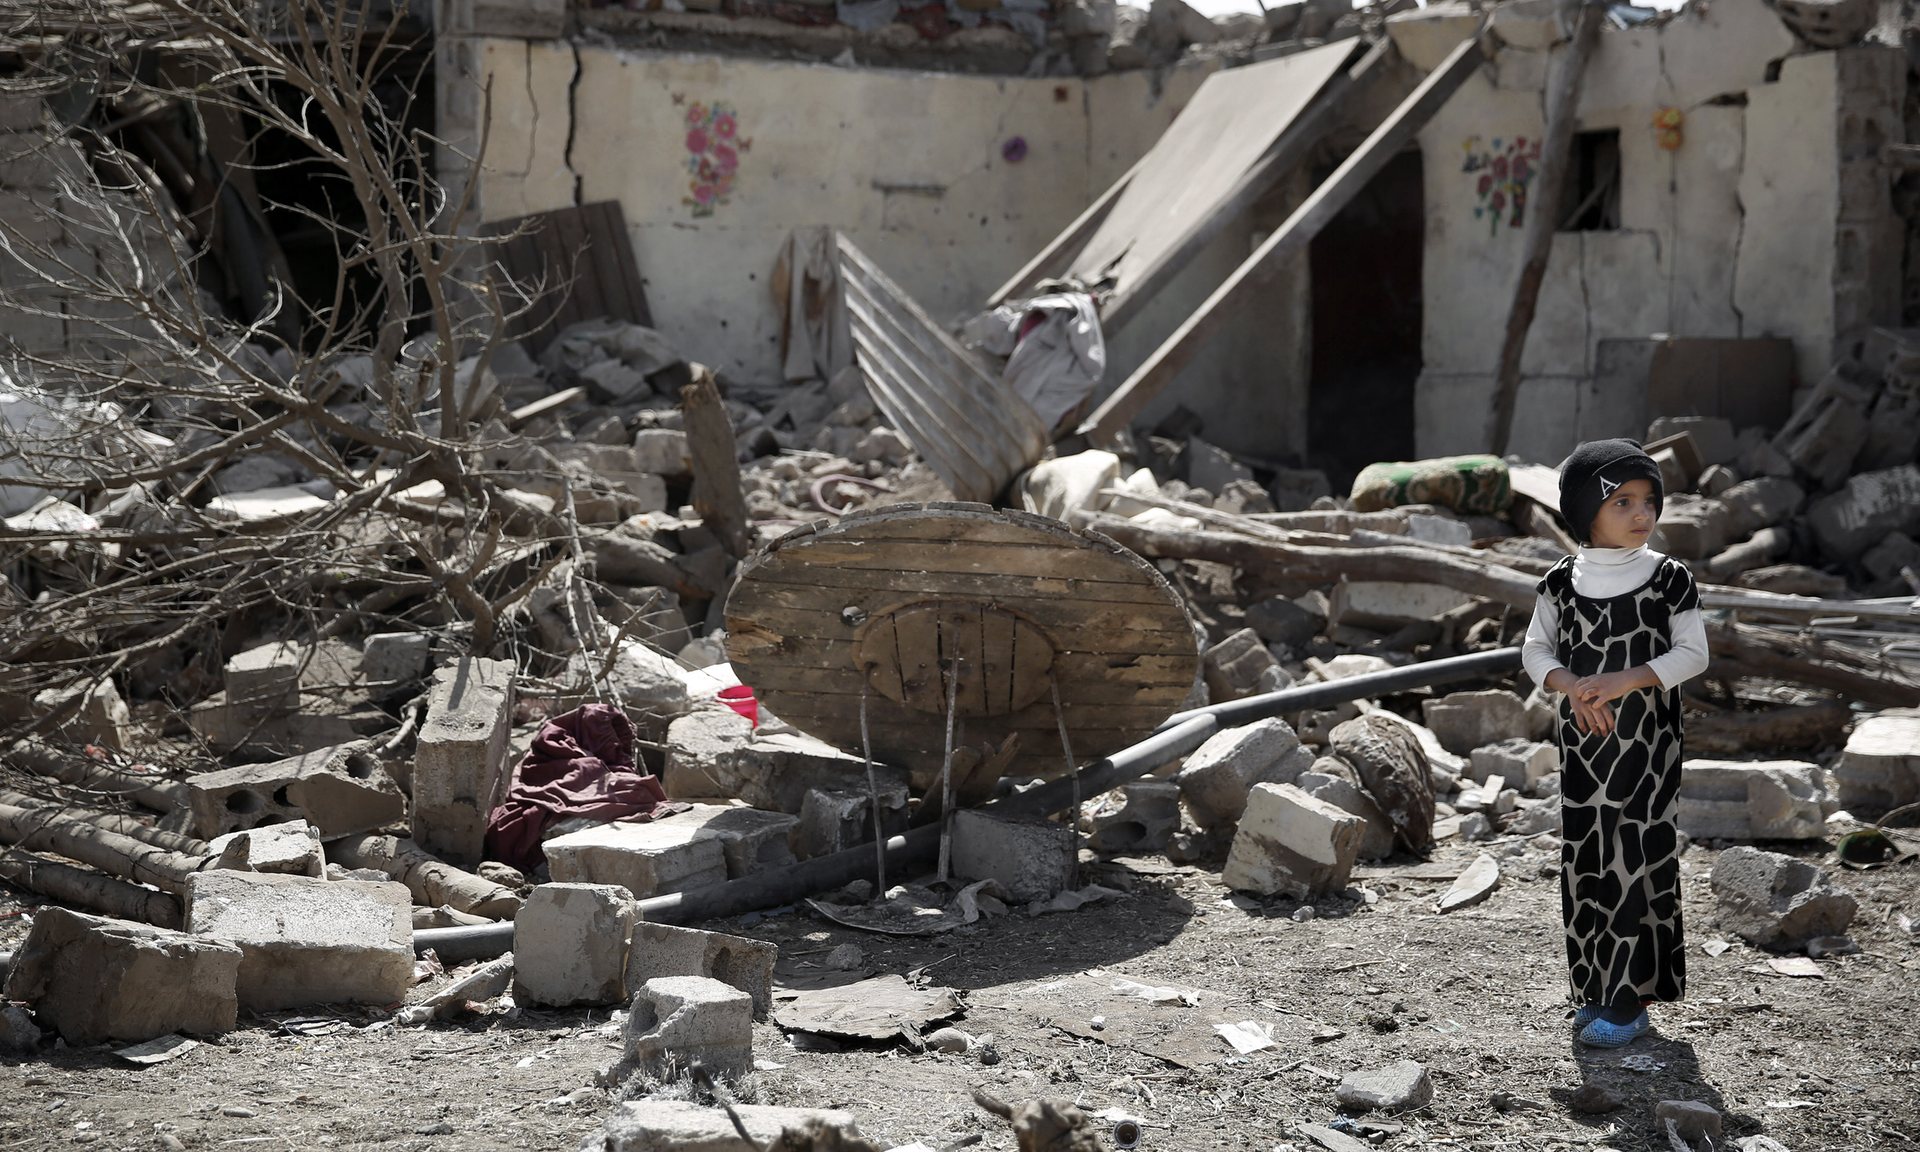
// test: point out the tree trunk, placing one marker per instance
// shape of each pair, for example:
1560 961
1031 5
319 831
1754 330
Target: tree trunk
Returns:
716 466
1791 726
433 882
47 831
44 760
103 894
110 822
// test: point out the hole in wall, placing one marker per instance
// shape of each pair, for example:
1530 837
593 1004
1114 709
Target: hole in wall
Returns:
1590 200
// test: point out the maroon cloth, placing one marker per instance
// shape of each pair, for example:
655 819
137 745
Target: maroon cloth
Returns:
581 764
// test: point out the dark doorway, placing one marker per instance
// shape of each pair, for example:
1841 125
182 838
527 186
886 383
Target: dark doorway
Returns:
1366 325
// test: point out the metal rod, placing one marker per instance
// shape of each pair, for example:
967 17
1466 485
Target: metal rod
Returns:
873 791
1066 749
946 774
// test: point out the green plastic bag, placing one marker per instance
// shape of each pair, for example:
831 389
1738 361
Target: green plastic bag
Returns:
1471 485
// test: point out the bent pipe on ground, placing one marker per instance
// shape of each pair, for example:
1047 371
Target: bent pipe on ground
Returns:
1179 735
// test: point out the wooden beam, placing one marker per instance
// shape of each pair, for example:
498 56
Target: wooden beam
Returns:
1292 238
1536 244
1289 151
1053 259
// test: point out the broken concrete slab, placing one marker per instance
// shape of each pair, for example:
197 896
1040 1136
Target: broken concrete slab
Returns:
1378 841
676 1021
1216 776
570 945
1032 859
683 1126
341 791
1775 901
647 859
1761 503
1694 527
1388 604
1288 623
1713 437
1240 666
1133 818
92 713
1292 844
266 679
1472 886
1523 762
1463 721
751 840
1880 767
648 683
1401 1086
395 657
668 950
663 452
1742 800
716 752
308 941
833 820
1859 515
94 979
291 848
460 757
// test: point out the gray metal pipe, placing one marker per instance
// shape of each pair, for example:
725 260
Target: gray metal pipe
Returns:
1181 734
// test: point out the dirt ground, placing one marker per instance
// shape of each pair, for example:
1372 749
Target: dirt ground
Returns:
1478 996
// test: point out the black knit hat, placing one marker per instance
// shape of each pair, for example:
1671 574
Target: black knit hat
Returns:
1591 474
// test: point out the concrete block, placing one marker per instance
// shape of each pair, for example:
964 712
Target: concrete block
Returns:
1439 530
683 1126
1885 560
1760 503
1401 1086
1736 800
460 757
1464 721
1032 859
90 714
230 727
1292 844
1067 484
1288 623
715 752
675 1021
1392 604
1861 514
570 945
1693 528
1240 666
1211 467
644 681
663 452
395 657
266 679
647 859
1776 901
94 979
290 848
1880 768
341 791
308 941
832 820
1377 841
1713 438
1216 777
750 840
1523 762
1133 818
1392 768
661 950
1717 481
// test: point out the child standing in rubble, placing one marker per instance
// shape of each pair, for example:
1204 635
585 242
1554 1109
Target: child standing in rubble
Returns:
1615 631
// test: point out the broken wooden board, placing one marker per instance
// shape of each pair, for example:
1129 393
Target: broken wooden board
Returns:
574 263
878 1008
879 606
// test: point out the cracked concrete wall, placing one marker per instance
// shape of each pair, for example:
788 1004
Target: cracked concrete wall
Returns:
1716 239
950 182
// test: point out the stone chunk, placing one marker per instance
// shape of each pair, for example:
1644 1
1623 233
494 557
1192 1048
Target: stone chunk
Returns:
647 859
1472 886
91 713
677 1020
1388 604
833 820
1694 527
1343 793
1523 762
1289 623
1880 768
395 657
291 848
341 791
1859 515
266 679
1464 721
751 840
647 683
1240 666
460 758
1394 771
1738 800
1775 901
1401 1086
1032 859
1134 818
1692 1121
570 945
1216 776
1291 844
663 452
94 979
716 752
1761 503
308 941
668 950
682 1126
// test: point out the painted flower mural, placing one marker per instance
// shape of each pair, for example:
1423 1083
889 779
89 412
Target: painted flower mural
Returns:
1503 172
714 145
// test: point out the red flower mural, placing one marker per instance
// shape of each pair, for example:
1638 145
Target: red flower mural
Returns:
1503 171
714 145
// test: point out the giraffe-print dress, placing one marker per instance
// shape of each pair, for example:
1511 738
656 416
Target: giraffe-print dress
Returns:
1620 860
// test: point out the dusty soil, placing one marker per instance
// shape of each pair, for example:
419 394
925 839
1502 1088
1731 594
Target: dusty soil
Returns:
1478 996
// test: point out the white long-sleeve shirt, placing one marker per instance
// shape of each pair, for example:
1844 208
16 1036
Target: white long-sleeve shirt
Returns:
1603 572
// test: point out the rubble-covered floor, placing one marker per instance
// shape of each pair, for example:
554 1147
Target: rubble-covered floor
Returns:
1817 1064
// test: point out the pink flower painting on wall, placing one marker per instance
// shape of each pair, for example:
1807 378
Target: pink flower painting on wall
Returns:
1502 174
714 146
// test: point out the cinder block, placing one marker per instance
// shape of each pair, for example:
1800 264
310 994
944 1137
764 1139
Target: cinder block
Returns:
266 679
291 848
1750 800
661 950
1880 768
662 451
1032 859
1775 901
647 859
95 979
341 791
459 760
1135 817
308 941
395 657
1215 778
675 1021
683 1126
1292 844
570 945
1523 762
91 713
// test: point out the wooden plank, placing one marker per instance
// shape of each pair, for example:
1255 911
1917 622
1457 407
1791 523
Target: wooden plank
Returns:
956 584
585 258
565 243
1292 238
949 557
1062 621
614 245
1536 242
1289 152
851 682
998 648
1154 669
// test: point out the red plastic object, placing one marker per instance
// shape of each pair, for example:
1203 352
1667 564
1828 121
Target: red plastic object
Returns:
740 699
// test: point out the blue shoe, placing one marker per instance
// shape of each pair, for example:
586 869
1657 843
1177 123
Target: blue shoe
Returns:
1588 1014
1603 1034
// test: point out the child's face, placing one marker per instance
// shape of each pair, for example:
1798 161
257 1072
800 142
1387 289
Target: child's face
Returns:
1627 517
